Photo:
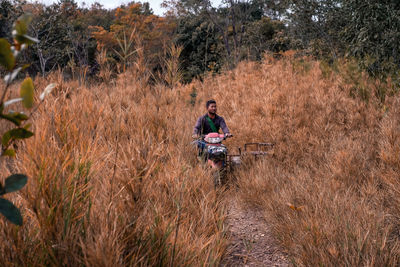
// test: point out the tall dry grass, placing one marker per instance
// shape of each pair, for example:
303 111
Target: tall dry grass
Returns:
114 180
331 191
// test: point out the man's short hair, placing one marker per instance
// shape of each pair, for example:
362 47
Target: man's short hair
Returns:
209 102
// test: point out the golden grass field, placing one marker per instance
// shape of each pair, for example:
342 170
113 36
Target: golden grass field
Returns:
113 179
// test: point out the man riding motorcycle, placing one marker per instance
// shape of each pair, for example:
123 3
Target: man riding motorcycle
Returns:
209 123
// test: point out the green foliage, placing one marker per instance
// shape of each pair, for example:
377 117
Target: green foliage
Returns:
11 212
126 49
53 28
27 92
374 35
9 153
14 134
215 37
8 55
10 10
15 117
211 37
265 35
365 31
21 28
13 183
201 47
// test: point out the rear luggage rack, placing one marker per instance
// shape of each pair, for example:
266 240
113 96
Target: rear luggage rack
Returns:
254 149
258 149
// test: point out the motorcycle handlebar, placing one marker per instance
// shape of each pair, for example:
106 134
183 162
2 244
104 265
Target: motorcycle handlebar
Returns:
228 136
203 135
197 136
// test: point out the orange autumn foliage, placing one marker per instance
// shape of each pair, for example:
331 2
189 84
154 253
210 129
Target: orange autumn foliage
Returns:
154 32
105 39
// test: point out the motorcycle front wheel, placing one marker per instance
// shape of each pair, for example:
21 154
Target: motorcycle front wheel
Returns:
218 177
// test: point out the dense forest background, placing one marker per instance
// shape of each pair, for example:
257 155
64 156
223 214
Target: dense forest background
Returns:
81 40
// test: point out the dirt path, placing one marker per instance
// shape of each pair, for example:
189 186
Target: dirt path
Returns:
251 240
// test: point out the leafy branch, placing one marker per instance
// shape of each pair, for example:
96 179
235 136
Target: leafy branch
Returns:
20 130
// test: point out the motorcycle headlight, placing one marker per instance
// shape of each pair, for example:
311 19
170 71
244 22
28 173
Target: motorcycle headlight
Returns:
221 149
213 140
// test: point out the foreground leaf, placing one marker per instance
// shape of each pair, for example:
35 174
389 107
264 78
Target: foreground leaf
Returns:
15 117
18 133
27 92
11 212
5 139
21 24
9 153
20 32
15 182
6 56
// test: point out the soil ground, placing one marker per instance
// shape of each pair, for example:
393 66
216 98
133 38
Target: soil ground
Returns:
251 241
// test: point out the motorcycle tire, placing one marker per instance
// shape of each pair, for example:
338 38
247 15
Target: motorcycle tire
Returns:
219 177
216 178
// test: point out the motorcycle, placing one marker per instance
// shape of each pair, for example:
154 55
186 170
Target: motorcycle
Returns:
215 155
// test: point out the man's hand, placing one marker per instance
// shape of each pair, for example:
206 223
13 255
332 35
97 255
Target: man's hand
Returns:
195 136
227 135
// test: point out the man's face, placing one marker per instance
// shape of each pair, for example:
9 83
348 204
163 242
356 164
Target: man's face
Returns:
212 108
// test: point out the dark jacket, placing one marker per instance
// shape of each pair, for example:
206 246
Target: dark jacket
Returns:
202 126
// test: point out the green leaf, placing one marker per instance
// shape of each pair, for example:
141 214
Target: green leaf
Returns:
21 29
15 117
6 56
25 66
9 153
27 92
11 212
15 182
19 116
21 24
17 133
5 139
11 118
